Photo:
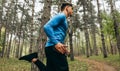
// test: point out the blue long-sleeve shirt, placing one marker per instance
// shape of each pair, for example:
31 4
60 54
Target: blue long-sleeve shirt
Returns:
55 29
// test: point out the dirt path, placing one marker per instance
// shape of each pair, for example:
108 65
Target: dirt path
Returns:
97 66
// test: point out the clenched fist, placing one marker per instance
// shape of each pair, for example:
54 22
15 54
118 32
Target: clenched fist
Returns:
61 48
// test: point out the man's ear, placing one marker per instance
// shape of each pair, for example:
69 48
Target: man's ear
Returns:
67 8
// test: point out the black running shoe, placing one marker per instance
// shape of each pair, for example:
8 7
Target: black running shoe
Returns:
29 57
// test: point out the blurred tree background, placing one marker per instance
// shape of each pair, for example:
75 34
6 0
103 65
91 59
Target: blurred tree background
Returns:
94 28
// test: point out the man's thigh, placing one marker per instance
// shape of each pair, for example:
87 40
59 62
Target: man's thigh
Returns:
55 60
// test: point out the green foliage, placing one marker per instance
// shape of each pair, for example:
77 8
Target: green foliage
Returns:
108 23
108 26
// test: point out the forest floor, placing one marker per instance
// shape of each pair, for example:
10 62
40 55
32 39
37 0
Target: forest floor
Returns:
97 65
81 63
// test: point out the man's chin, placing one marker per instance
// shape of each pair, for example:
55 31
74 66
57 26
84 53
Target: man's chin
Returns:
70 15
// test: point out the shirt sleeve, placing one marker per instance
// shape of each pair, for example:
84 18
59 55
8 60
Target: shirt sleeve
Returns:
49 27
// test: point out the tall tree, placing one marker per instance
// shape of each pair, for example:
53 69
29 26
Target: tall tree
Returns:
116 28
1 11
1 24
71 43
70 37
91 21
44 18
6 25
32 28
86 28
101 29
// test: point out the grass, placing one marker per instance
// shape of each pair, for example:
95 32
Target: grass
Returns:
77 65
113 60
13 65
16 65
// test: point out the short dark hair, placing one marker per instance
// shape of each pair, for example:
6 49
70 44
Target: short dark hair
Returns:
64 5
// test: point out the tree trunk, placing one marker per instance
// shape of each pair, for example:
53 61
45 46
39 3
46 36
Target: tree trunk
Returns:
3 44
93 28
9 46
21 50
31 28
42 36
18 47
86 29
101 28
3 48
19 40
116 26
71 45
111 46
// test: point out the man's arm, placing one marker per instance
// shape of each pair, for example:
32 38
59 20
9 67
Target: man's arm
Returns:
49 30
50 25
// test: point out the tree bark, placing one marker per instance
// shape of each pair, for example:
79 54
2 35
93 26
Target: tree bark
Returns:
3 44
9 46
71 45
101 28
116 28
41 40
86 30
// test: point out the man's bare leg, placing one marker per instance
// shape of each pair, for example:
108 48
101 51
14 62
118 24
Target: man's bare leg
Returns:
34 60
39 64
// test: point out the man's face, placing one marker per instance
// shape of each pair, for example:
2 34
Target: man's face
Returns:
69 10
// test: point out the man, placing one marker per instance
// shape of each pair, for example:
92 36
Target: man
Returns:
55 49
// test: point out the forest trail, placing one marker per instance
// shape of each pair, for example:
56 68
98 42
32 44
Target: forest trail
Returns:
96 66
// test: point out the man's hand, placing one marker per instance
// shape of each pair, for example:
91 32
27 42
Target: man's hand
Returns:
61 48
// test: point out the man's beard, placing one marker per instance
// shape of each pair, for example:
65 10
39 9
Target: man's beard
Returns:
69 15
